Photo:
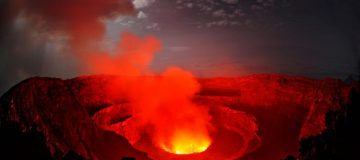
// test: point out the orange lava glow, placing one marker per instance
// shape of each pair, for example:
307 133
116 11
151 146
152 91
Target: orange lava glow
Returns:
187 142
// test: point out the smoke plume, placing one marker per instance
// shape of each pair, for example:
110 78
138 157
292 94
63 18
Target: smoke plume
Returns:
131 57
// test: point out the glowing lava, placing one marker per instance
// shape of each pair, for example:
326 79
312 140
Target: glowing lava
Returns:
187 142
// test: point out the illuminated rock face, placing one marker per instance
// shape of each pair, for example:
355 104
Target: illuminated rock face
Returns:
279 110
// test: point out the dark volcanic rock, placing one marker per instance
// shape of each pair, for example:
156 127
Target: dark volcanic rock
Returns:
54 116
340 139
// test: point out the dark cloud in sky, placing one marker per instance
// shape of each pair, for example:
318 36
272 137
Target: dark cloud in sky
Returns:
299 37
79 18
210 38
36 33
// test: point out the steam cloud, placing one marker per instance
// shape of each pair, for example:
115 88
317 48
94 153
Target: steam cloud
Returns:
131 57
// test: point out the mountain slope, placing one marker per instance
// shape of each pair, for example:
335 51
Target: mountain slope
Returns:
287 108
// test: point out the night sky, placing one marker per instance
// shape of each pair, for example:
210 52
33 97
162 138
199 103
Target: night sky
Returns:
211 38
